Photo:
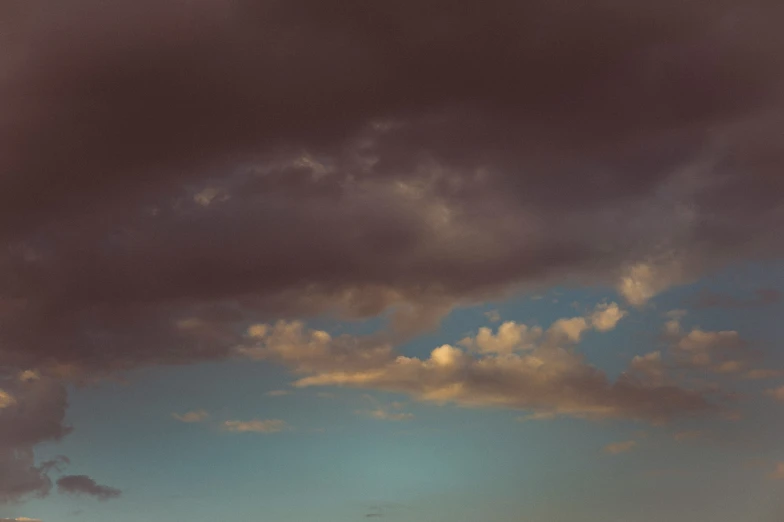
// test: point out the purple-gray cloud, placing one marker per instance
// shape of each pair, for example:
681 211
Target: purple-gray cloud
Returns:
84 485
233 160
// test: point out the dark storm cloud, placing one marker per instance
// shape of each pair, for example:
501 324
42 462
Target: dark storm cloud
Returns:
172 170
84 485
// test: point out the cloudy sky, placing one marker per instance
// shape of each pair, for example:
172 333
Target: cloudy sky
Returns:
295 260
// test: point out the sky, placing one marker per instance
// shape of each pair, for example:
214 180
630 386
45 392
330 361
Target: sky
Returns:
413 261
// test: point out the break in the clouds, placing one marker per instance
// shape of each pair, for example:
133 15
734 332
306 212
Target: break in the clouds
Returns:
84 485
172 172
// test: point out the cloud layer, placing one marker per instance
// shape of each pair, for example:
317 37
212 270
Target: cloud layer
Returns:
515 367
408 157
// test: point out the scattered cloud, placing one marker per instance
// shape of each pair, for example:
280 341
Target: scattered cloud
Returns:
509 338
607 316
383 414
278 393
386 412
721 352
546 378
617 448
84 485
256 426
192 416
643 281
493 316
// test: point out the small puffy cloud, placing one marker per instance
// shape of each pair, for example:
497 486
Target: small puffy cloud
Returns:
642 281
84 485
617 448
493 316
606 316
192 416
277 393
510 337
256 426
776 393
778 472
306 349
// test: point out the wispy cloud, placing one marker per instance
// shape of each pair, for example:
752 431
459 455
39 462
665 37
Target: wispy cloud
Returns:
256 426
192 416
617 448
277 393
493 316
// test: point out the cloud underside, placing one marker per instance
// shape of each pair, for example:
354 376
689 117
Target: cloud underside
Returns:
288 160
